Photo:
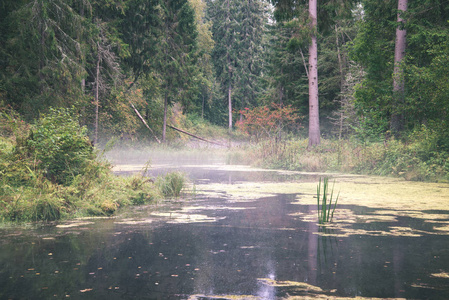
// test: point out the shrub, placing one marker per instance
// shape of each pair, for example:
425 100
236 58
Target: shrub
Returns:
266 121
60 146
52 172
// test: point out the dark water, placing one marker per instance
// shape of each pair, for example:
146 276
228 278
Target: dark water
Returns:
109 259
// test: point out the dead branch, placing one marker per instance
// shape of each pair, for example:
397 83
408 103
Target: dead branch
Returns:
195 136
144 122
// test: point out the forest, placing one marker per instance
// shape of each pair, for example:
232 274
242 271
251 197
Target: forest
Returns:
353 86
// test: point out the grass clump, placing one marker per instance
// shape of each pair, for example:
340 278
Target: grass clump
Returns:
171 184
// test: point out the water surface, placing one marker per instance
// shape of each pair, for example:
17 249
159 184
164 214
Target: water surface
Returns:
216 244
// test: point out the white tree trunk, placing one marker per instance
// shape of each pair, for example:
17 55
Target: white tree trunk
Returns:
314 116
398 73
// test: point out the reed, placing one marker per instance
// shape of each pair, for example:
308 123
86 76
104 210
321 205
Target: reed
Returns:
326 204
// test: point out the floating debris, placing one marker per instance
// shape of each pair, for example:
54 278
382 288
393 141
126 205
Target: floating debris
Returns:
440 275
223 297
73 224
181 218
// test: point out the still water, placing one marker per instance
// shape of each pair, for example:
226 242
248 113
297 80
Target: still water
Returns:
211 246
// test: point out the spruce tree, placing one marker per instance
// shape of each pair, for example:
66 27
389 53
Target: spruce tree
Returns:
238 31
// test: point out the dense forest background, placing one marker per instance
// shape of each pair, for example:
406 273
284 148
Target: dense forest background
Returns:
209 60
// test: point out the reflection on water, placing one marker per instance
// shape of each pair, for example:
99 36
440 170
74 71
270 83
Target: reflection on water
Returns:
255 248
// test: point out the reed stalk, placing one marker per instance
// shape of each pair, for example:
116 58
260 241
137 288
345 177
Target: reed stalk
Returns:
326 204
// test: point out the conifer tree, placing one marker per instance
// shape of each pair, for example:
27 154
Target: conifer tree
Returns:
176 60
42 55
238 32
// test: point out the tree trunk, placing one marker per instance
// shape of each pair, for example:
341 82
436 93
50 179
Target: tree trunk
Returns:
83 81
397 118
97 83
164 127
228 61
230 107
314 117
202 108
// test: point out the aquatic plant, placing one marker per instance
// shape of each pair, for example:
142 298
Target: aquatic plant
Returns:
171 184
326 212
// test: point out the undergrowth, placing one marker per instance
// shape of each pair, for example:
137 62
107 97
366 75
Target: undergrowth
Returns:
50 171
416 159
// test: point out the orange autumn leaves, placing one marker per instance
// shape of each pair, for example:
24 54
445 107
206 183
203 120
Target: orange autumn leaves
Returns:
267 121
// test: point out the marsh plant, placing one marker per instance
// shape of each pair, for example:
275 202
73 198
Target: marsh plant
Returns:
326 205
171 184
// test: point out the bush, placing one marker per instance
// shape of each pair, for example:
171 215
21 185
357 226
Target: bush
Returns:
51 172
60 146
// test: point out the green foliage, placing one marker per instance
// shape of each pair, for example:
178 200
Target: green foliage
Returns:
287 57
60 146
239 35
417 159
326 212
40 182
202 127
425 67
171 184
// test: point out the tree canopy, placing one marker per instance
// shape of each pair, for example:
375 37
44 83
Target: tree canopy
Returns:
214 58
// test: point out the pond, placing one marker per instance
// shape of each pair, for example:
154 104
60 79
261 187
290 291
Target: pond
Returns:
242 233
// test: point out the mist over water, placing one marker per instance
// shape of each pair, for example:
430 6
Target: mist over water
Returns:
215 245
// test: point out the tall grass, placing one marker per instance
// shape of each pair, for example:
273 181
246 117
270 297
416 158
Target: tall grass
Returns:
388 158
171 184
327 209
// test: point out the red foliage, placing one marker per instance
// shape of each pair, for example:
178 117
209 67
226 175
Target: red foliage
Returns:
267 121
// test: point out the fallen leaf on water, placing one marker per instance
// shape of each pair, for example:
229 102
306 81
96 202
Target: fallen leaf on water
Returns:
440 275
